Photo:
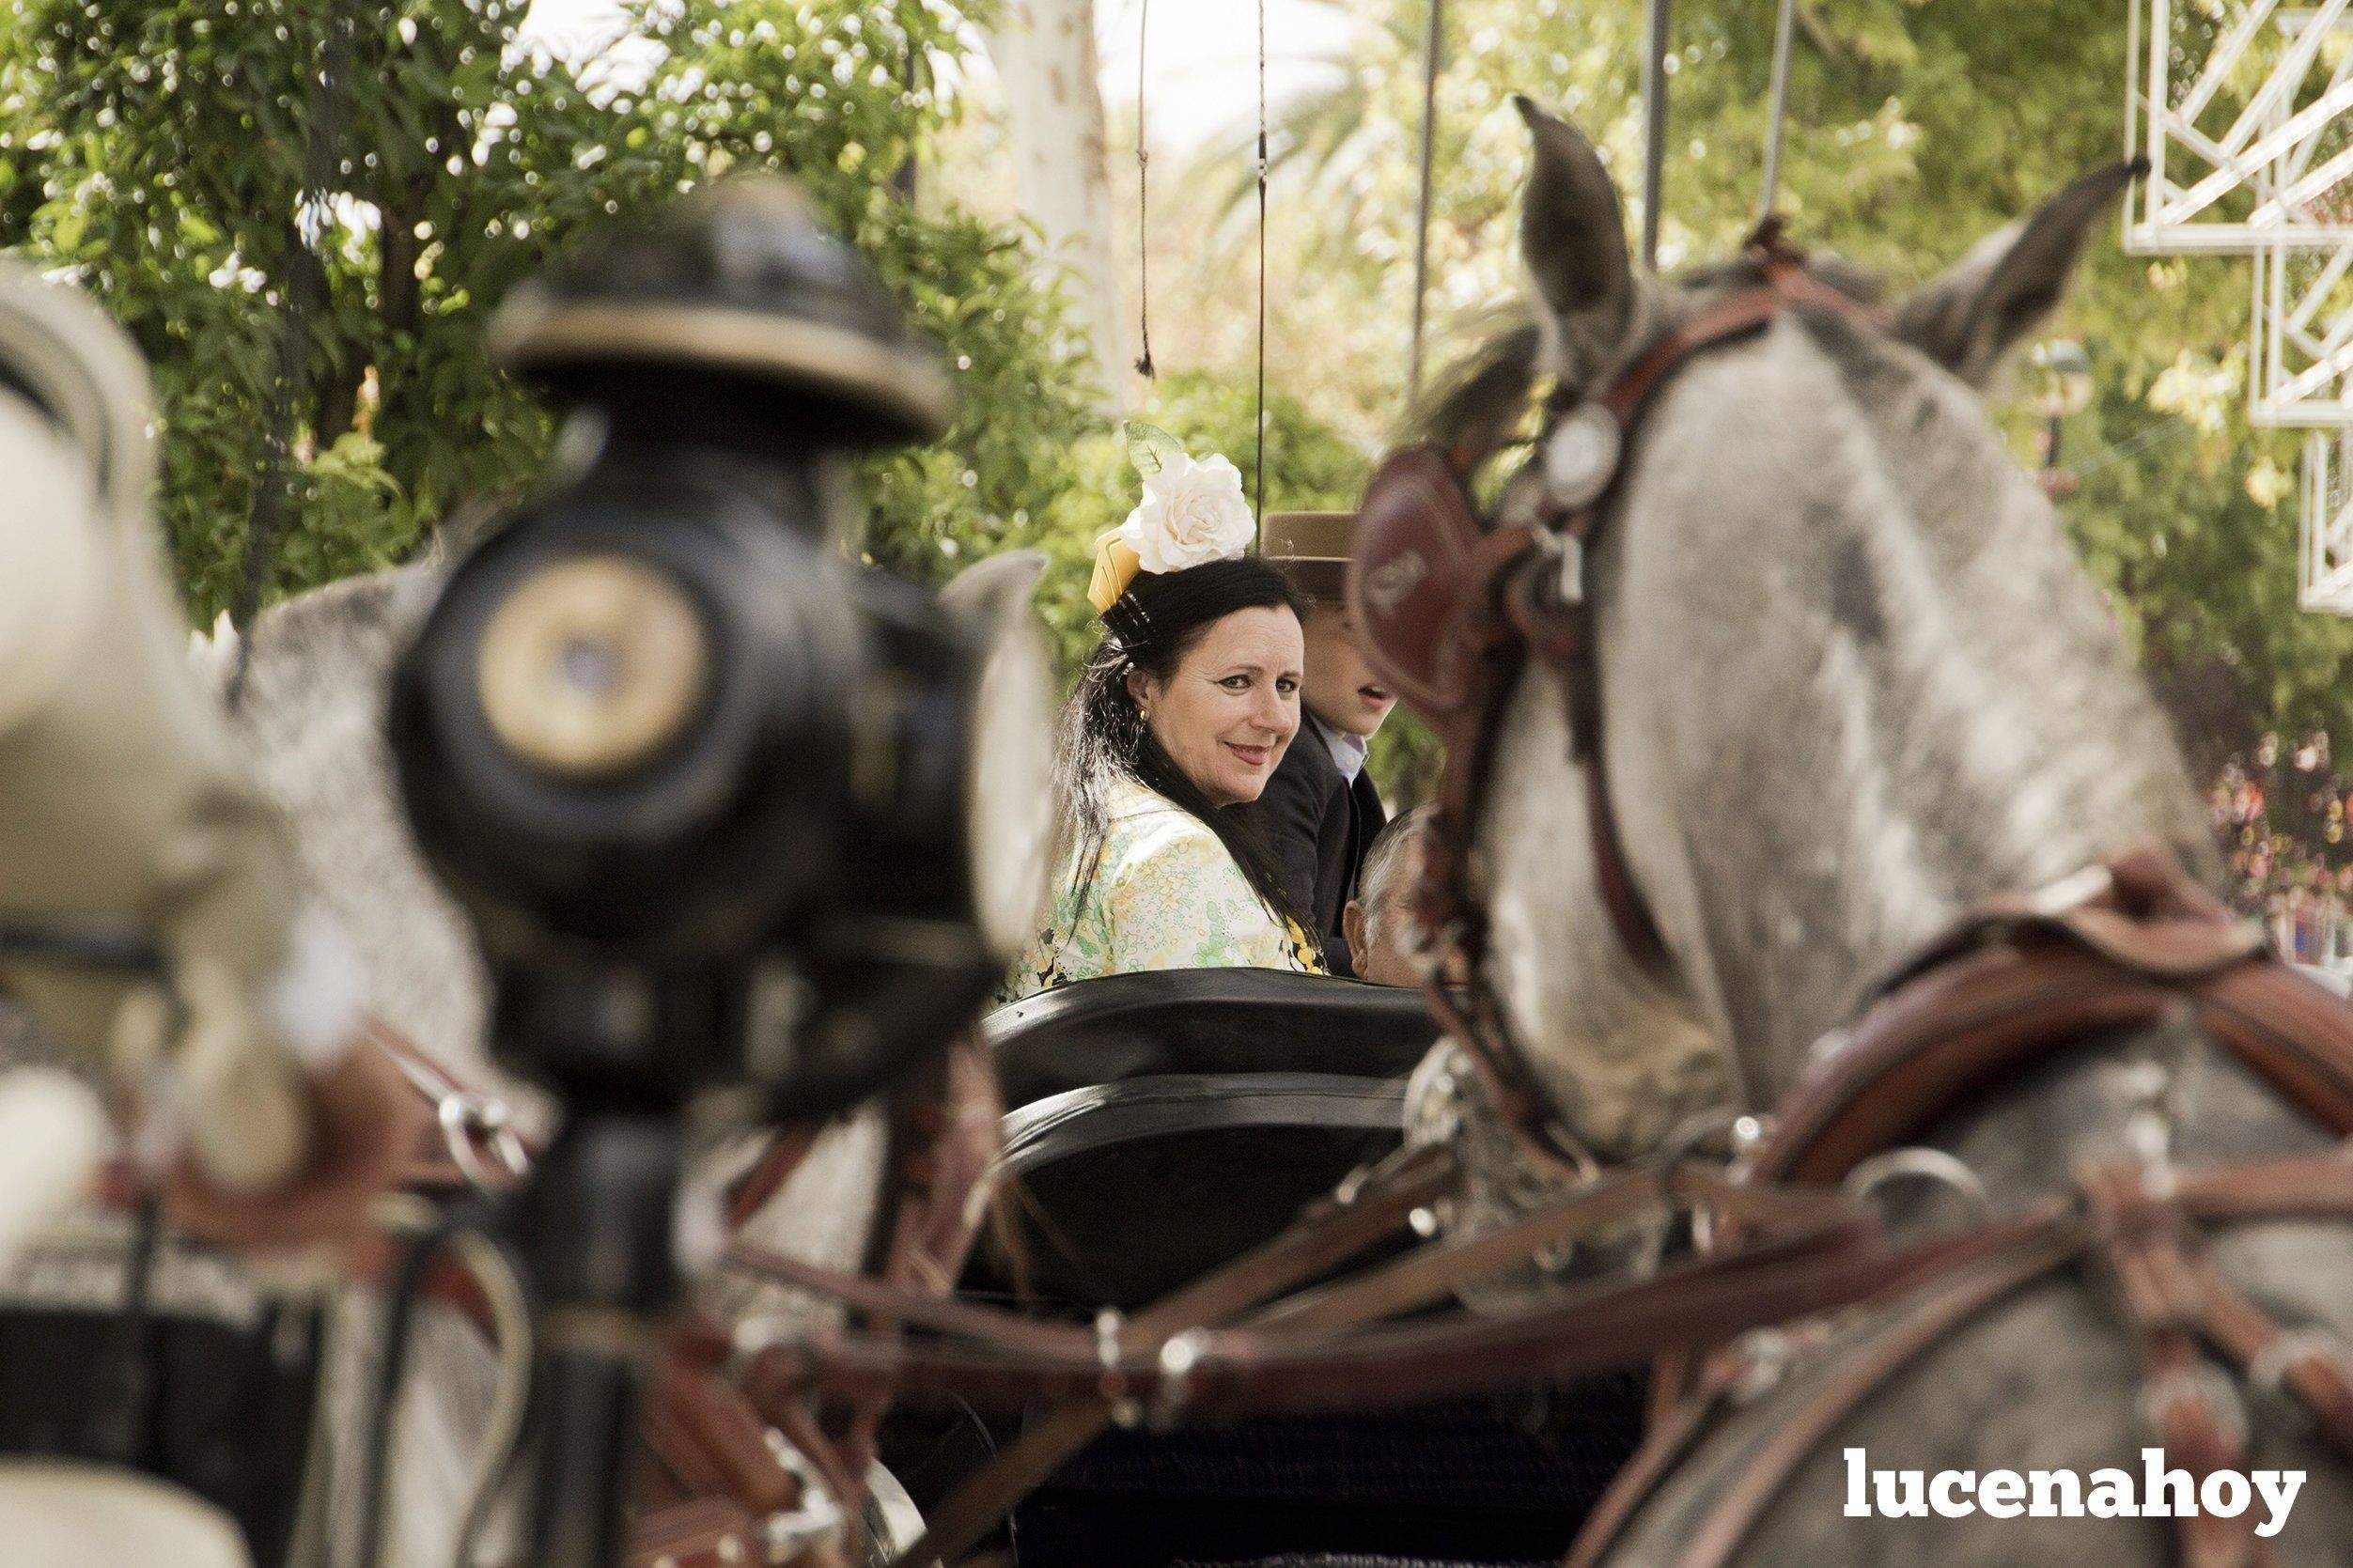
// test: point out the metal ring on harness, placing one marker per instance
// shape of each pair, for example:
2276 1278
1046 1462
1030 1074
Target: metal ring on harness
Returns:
1687 1136
1923 1164
467 1117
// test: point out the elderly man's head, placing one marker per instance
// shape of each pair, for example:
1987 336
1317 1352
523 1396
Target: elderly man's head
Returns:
1383 933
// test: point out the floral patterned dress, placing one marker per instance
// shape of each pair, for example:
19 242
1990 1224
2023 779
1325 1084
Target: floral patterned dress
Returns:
1167 895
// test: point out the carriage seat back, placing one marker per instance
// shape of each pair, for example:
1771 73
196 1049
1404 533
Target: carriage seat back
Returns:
1201 1021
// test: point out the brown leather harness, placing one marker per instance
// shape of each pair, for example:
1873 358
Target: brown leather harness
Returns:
730 1446
2135 945
741 1472
2022 983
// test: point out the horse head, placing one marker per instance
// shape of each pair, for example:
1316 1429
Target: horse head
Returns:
1856 680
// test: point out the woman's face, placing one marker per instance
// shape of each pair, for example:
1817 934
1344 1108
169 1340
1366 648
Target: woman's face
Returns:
1231 706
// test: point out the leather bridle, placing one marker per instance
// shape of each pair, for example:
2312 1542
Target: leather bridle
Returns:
2131 944
1450 607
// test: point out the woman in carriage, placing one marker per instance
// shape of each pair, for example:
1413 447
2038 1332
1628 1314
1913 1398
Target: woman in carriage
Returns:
1183 713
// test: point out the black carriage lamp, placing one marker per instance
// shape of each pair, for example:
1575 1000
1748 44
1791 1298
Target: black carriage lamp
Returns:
2060 375
729 811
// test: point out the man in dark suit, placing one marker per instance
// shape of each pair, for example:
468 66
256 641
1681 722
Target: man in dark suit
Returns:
1319 811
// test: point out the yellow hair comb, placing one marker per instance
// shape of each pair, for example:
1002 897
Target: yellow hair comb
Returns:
1115 566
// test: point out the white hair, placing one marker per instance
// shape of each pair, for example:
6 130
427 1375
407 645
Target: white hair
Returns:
1374 889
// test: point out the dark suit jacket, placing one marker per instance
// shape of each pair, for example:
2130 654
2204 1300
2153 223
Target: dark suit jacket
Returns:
1320 826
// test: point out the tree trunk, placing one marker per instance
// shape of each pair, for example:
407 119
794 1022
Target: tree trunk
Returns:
1044 52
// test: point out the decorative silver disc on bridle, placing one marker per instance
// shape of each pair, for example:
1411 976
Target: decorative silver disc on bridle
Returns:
1581 455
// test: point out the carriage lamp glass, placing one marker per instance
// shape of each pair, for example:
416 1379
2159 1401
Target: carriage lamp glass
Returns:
592 666
2063 378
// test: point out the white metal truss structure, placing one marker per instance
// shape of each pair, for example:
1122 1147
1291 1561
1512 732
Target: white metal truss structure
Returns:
2299 350
2244 110
2324 555
2240 107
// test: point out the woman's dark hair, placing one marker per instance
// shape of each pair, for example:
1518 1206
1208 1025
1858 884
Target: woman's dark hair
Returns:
1151 628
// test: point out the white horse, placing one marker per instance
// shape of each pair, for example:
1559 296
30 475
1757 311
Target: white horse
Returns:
314 672
1857 684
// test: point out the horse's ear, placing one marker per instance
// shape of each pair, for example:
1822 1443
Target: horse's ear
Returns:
1573 236
2009 281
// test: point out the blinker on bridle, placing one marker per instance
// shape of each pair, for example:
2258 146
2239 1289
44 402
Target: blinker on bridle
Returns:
1452 602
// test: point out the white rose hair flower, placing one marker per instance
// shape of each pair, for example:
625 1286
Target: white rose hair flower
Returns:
1192 513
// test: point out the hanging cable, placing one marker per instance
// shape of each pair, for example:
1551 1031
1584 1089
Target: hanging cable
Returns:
1777 106
1259 504
1143 193
1432 44
2132 96
1661 19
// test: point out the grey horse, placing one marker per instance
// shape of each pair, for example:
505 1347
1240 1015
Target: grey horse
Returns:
314 676
1858 683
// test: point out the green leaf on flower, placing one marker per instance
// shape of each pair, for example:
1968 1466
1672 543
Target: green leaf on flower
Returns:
1149 447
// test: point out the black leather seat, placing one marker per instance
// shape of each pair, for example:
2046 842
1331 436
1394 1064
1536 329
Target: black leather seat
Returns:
1124 1191
1227 1021
1162 1124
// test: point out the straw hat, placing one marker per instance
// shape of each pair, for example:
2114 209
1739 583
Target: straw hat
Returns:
1311 548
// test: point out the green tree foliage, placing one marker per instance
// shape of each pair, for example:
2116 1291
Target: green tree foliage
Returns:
305 213
1915 126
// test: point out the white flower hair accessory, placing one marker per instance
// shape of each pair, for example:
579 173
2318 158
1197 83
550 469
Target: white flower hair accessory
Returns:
1192 513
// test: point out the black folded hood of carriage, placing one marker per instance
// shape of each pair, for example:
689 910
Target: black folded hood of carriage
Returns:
1159 1125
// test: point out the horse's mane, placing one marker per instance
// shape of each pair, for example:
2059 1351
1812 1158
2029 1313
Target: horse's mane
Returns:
1481 399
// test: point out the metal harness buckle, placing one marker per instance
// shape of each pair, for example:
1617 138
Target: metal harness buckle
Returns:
1125 1411
467 1117
1920 1163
